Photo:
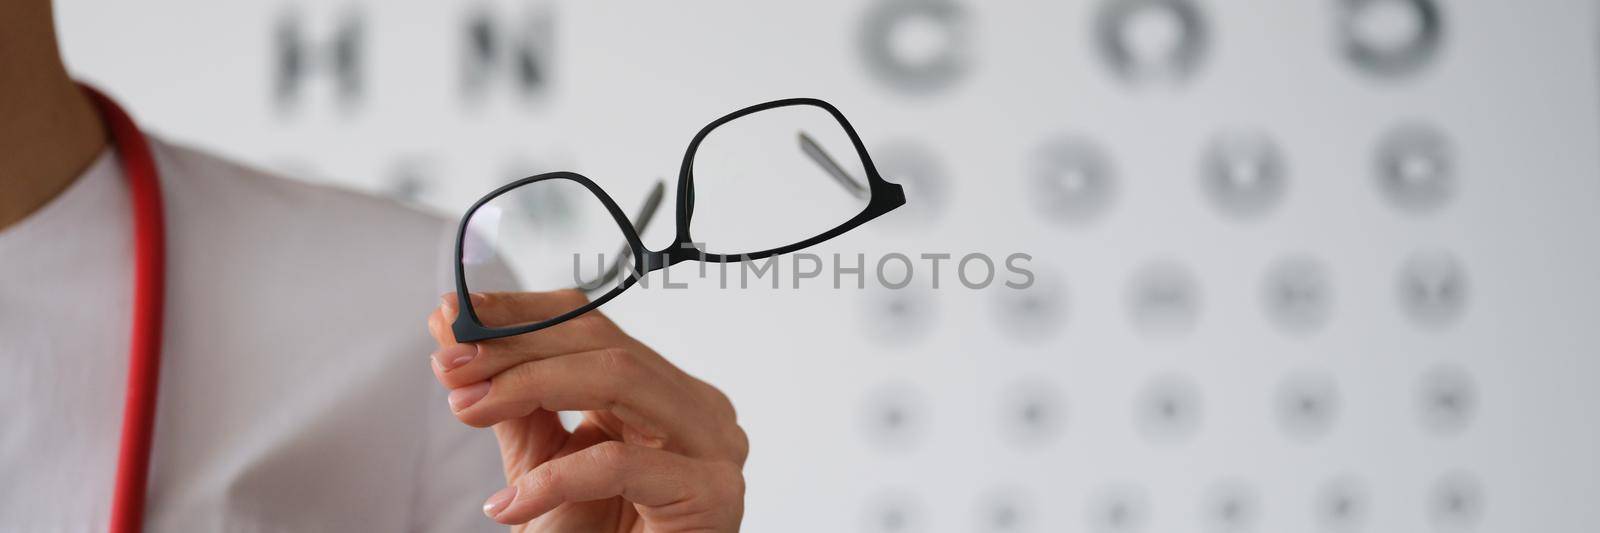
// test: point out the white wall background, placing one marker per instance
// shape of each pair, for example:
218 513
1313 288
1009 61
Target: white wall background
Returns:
1512 88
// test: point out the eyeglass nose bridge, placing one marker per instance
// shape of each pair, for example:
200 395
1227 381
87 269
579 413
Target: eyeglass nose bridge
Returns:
654 261
651 261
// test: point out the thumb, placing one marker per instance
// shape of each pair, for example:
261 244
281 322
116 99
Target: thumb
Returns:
443 316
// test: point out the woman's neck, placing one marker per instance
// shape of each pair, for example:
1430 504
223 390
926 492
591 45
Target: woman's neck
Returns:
49 131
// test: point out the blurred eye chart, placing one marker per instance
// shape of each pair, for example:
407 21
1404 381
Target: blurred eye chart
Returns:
1324 265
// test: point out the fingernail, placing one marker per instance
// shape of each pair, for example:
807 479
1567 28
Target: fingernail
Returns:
454 356
448 300
448 304
464 397
499 501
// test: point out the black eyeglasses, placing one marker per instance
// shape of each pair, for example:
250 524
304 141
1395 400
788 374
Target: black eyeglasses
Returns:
752 186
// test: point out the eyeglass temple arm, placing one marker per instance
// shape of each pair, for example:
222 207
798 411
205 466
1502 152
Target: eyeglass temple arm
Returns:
641 222
831 166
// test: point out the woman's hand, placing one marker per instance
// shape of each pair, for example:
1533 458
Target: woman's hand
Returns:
658 450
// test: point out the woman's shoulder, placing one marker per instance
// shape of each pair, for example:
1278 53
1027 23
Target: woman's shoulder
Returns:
226 216
210 180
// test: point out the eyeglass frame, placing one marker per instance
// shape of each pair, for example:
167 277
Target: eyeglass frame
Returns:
883 197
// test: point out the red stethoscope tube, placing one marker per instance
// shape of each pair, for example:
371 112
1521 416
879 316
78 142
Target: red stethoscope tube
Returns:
149 292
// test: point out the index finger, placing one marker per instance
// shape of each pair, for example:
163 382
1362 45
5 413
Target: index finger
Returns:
503 309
